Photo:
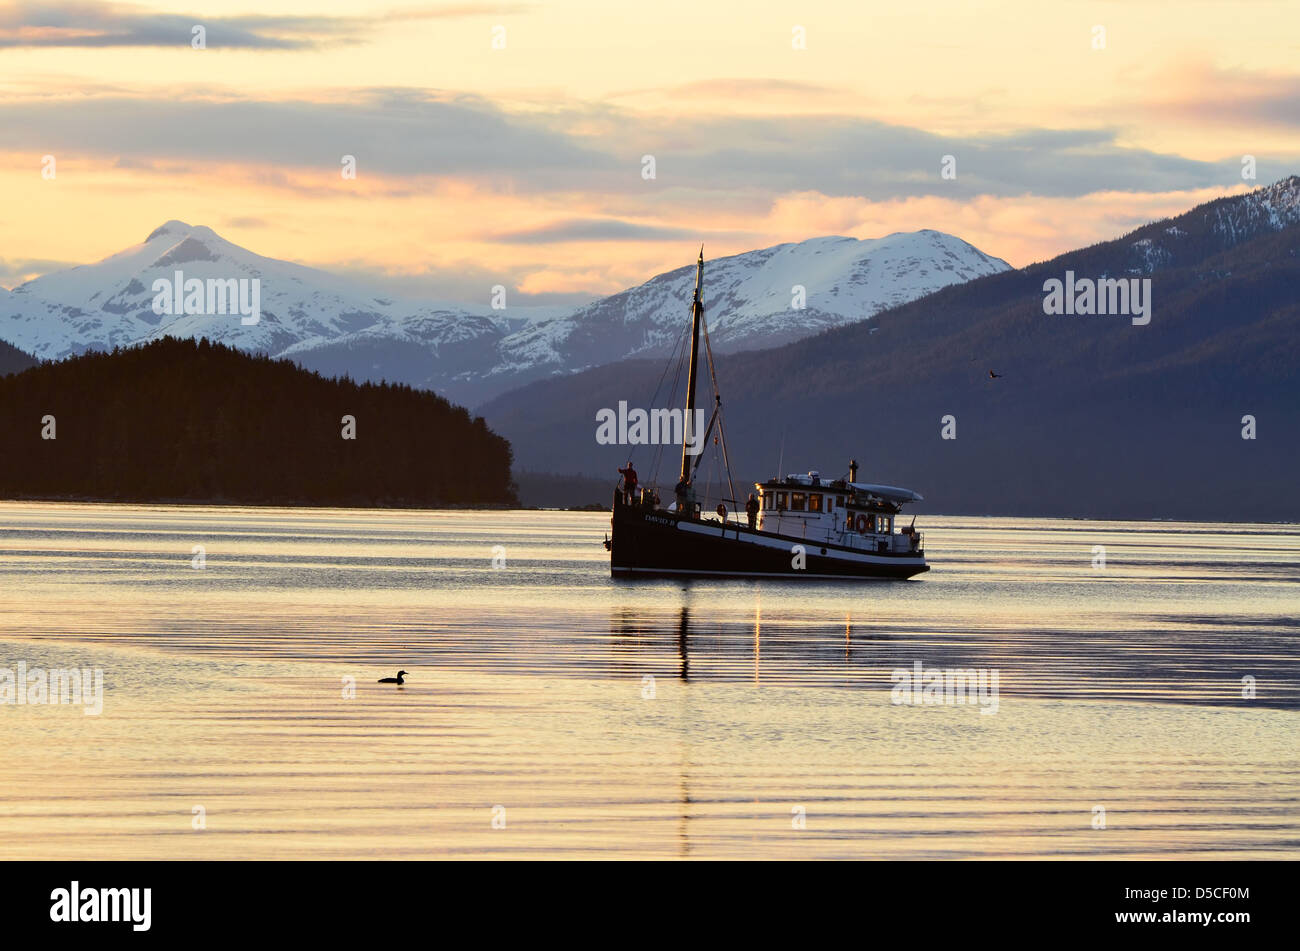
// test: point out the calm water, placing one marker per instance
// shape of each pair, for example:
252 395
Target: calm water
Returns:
643 719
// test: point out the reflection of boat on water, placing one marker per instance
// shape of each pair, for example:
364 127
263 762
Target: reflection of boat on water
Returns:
803 526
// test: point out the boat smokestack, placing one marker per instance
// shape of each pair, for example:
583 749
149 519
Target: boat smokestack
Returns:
853 470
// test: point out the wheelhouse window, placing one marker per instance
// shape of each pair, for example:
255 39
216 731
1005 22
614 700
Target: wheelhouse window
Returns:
815 502
767 501
780 501
797 501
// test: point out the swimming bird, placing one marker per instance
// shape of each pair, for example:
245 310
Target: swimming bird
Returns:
394 680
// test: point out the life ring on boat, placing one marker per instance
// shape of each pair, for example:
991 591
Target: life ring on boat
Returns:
862 525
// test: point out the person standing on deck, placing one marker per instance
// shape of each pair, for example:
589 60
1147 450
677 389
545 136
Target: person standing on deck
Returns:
629 483
751 509
683 492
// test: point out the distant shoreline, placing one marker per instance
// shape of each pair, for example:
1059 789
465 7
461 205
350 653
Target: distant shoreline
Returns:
227 503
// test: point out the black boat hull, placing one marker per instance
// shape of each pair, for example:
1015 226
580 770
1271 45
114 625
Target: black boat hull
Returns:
653 543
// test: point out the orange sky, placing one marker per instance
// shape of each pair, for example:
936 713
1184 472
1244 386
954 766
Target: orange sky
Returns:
523 164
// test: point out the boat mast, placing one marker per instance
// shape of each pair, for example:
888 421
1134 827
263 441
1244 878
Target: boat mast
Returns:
697 313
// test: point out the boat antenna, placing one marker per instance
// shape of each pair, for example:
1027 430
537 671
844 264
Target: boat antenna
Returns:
697 313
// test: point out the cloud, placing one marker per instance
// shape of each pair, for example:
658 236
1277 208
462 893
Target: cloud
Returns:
1019 229
414 136
15 272
745 92
1201 92
530 282
389 132
86 23
841 156
596 229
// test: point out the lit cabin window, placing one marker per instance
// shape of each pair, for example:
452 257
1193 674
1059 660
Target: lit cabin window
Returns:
814 502
780 501
830 503
797 501
767 501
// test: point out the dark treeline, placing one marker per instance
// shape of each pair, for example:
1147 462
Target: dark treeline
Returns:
556 490
12 359
195 421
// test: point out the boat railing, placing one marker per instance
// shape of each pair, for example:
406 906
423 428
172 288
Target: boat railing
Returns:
648 497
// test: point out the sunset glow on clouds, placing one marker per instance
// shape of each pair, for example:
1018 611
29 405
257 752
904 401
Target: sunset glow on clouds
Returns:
523 165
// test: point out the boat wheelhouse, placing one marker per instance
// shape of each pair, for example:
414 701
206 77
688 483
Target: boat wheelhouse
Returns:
799 526
852 514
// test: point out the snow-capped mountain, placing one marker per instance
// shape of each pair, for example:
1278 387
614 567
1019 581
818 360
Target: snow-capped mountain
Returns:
1221 224
1270 208
1090 416
757 299
108 304
467 352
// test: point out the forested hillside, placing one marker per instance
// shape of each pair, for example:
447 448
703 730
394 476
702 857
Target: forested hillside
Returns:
12 359
193 421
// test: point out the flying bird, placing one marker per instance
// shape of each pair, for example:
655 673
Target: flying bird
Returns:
394 680
994 376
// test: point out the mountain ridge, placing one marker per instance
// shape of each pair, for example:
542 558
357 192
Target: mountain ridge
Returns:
330 324
1089 416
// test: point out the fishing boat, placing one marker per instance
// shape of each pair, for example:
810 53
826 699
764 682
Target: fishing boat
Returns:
804 526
